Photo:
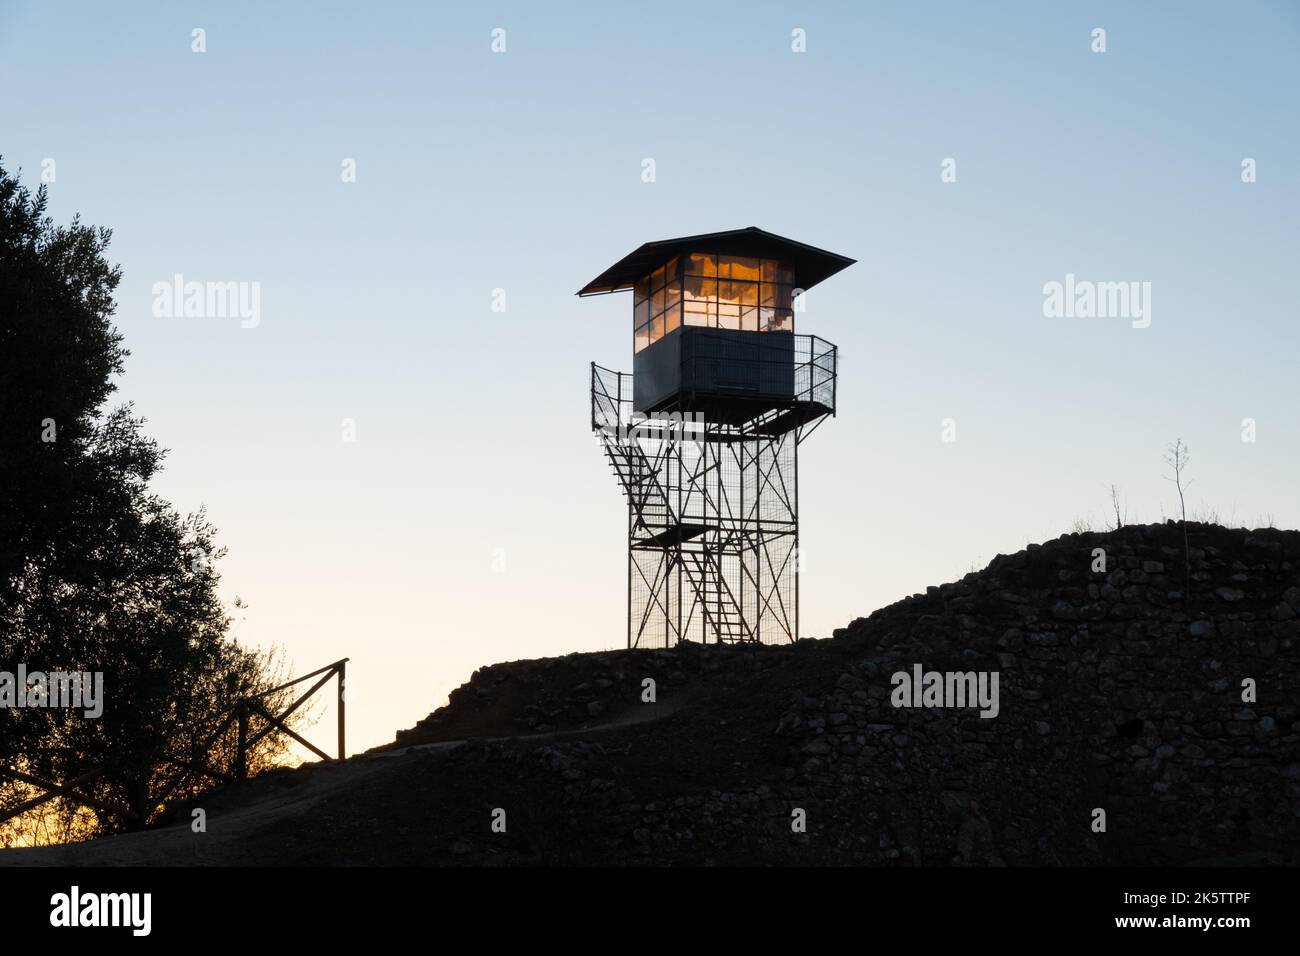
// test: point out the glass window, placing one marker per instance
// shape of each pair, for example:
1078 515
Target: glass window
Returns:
702 265
782 321
701 306
727 292
673 318
642 338
775 296
703 290
701 313
738 293
673 293
738 267
728 315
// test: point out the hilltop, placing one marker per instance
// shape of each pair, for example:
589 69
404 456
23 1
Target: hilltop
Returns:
1120 690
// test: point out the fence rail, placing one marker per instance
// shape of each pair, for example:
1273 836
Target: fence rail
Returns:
196 764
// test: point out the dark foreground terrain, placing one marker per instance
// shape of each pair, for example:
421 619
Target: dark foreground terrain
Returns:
1120 691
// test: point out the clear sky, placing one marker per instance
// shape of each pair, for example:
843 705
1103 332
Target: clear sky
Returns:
522 171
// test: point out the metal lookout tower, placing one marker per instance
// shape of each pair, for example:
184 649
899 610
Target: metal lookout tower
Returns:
704 434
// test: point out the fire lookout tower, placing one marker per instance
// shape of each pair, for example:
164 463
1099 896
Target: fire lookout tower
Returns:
704 434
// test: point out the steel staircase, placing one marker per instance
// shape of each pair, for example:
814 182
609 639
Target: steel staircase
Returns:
722 614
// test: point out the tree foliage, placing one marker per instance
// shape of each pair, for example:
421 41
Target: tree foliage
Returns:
97 573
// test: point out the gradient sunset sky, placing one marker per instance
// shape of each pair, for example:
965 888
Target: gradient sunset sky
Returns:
473 519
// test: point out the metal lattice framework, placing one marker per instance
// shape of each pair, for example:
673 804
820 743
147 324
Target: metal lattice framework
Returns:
713 507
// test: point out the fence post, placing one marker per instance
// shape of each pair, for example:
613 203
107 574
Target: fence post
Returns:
343 670
241 754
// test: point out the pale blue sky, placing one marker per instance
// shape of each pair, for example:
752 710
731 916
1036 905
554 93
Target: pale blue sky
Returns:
522 171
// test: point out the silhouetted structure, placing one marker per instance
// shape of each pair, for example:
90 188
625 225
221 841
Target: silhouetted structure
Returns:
704 434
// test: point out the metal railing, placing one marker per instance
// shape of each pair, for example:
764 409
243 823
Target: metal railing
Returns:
611 399
815 377
801 368
807 372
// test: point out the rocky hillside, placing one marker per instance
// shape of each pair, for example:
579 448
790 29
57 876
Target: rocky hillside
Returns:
1124 690
1120 690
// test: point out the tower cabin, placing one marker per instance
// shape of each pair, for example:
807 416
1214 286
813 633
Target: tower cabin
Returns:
713 326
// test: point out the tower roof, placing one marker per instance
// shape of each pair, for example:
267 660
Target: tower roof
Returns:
811 265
